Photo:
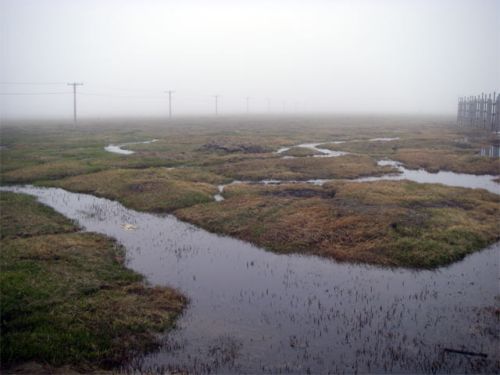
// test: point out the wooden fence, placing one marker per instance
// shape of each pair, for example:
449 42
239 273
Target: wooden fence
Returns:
482 112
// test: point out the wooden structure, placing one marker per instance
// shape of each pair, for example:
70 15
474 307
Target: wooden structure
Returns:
482 112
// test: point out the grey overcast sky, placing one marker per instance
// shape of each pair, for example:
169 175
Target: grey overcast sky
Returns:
398 56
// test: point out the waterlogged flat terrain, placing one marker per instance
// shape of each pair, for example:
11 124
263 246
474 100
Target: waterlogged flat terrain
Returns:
407 192
252 311
390 223
67 299
181 166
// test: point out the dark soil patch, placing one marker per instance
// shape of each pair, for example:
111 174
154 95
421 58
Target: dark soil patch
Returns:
301 193
228 148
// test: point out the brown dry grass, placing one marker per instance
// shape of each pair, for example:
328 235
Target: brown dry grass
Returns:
436 160
300 152
152 189
387 222
433 149
347 166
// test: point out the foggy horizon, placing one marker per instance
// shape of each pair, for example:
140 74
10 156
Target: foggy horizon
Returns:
339 57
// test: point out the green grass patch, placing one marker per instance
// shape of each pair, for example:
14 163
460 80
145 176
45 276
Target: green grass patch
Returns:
67 298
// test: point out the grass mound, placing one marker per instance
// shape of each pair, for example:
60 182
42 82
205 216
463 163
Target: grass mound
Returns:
396 223
66 297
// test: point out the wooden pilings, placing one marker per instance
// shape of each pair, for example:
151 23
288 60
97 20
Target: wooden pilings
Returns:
482 112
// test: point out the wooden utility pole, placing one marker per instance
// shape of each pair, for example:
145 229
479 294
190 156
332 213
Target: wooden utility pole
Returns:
169 92
216 97
74 84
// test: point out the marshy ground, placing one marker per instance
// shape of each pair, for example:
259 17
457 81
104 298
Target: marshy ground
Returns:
391 223
395 223
67 298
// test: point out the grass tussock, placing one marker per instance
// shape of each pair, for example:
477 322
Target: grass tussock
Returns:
67 299
386 222
436 160
396 223
432 149
49 171
347 166
152 189
300 152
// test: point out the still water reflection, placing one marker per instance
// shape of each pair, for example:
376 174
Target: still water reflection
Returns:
253 311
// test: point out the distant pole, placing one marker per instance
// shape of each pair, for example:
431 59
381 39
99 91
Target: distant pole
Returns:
269 105
169 92
248 104
74 84
216 97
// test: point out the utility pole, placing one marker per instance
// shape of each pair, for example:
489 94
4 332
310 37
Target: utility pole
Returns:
74 84
248 104
216 104
169 92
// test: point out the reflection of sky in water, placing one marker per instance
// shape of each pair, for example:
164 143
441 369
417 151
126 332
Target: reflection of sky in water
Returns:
441 177
117 149
254 311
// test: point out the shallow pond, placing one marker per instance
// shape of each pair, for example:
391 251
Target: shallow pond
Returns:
417 175
421 175
442 177
254 311
118 149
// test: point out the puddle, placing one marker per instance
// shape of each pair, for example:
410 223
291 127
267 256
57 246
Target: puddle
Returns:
254 311
218 197
323 152
326 153
442 177
383 139
283 149
117 149
421 176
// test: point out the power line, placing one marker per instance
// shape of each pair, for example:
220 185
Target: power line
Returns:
122 89
32 83
35 93
141 94
121 96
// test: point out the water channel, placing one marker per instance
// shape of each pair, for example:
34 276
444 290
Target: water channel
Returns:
253 311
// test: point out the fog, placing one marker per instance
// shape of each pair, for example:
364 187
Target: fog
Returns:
285 56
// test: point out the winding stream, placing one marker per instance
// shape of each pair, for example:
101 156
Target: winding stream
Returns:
254 311
442 177
421 175
417 175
